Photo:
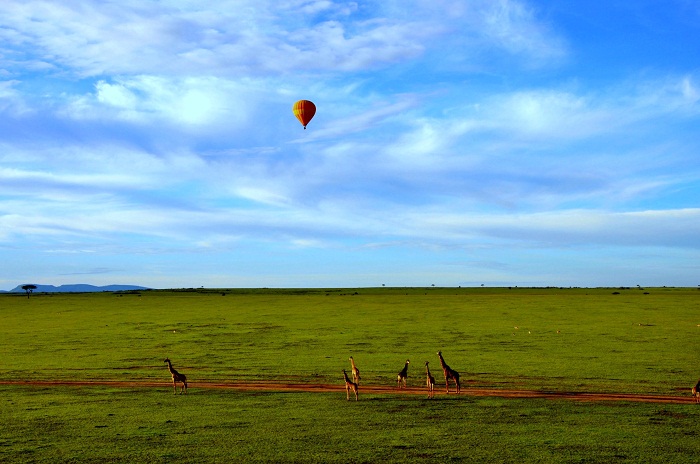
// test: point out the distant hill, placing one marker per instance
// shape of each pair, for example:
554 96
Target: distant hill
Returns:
76 288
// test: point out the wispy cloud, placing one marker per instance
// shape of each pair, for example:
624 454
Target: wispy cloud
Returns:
251 37
94 38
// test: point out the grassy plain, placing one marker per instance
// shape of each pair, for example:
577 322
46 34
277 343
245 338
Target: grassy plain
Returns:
616 340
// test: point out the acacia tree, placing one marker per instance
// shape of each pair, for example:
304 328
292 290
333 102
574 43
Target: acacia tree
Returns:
29 288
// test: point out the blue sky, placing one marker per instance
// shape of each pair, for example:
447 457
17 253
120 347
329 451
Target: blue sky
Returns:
495 142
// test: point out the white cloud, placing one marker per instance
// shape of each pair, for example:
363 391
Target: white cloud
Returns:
670 228
92 38
11 99
513 26
115 95
97 38
190 101
689 90
548 112
565 228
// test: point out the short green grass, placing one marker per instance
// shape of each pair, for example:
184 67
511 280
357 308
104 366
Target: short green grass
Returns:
617 340
62 424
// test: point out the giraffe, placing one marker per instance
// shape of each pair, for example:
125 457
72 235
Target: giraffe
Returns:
177 377
403 375
449 374
355 372
350 385
696 392
429 381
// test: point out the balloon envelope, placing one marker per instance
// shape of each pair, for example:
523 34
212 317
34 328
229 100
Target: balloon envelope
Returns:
304 110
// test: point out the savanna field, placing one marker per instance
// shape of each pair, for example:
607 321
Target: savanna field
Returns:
631 340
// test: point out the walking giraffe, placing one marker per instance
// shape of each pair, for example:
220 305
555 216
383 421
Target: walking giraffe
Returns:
429 381
350 385
355 371
449 374
403 375
177 377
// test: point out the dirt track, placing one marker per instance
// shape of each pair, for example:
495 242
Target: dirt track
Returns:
364 389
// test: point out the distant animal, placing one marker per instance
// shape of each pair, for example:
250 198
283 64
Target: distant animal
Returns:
177 377
429 381
449 374
350 385
403 375
355 371
696 392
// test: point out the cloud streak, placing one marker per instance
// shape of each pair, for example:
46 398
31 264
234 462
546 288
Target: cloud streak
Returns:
252 37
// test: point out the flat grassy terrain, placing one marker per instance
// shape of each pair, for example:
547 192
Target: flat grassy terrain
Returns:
582 340
61 424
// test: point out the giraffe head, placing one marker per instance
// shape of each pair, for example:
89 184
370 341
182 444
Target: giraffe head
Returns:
166 360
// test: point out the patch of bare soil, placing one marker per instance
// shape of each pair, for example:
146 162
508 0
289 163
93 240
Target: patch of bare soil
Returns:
364 389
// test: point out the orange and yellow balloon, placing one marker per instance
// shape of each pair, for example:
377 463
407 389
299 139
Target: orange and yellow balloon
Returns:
304 110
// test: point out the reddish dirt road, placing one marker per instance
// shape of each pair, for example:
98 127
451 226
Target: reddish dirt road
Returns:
364 389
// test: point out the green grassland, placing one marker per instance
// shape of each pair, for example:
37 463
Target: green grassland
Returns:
601 340
145 425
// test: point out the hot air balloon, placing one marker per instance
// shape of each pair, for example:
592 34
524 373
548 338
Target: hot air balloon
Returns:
304 110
